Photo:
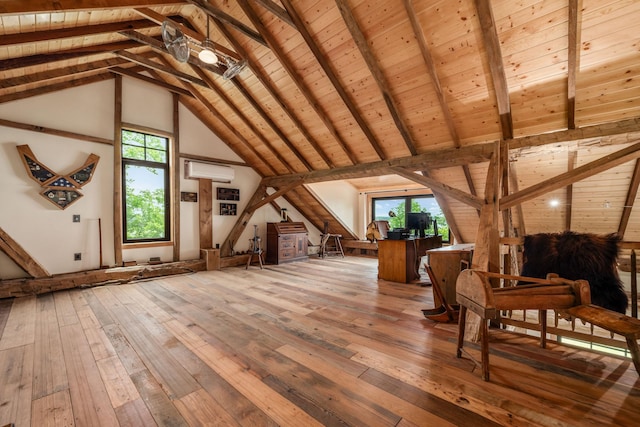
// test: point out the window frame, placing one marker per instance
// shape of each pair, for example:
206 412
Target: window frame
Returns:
166 167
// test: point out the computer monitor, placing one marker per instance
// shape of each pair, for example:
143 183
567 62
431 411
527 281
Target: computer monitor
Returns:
419 221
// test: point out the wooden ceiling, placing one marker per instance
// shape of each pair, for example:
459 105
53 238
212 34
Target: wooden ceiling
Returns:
342 89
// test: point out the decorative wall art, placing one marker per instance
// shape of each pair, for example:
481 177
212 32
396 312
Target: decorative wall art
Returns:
228 193
228 209
61 190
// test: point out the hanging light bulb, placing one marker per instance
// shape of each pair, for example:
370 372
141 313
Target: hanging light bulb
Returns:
208 54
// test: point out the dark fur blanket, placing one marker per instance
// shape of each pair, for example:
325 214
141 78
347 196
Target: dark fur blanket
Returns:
576 256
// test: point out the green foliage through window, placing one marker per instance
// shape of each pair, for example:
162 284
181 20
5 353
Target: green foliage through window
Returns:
394 210
145 180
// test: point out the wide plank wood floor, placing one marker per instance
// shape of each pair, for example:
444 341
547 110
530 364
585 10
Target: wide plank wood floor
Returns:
309 343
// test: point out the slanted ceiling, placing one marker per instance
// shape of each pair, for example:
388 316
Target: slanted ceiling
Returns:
419 90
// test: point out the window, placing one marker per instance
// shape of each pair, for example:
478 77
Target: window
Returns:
145 187
394 210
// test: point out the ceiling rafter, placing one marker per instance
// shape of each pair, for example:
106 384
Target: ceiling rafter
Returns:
632 193
64 55
275 95
322 60
297 79
277 10
139 59
37 6
585 171
57 73
55 87
376 72
433 73
496 66
573 59
230 20
244 119
130 72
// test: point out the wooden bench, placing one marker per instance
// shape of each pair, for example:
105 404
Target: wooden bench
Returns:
628 327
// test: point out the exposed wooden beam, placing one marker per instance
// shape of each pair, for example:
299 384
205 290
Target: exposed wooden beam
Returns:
15 7
81 31
376 72
297 79
160 47
243 220
277 10
260 110
130 73
433 73
335 218
324 62
138 59
432 160
514 187
213 160
245 120
573 59
118 220
279 192
436 185
496 65
571 165
228 19
21 257
215 113
632 193
44 76
175 152
205 213
64 55
56 132
592 168
54 87
159 18
266 83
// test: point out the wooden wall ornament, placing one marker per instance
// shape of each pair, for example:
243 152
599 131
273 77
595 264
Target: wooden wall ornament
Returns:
61 190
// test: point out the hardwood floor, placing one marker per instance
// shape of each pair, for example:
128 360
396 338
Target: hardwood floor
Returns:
310 343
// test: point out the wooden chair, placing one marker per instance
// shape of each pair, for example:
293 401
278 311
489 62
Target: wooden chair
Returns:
475 293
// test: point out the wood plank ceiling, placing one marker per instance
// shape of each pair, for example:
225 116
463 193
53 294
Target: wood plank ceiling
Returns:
345 89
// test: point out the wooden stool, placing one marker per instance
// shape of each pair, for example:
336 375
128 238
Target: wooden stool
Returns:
255 250
326 249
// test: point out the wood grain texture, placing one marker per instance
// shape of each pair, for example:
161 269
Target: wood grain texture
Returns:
316 343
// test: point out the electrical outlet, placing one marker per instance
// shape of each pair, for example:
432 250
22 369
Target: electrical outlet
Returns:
76 218
77 256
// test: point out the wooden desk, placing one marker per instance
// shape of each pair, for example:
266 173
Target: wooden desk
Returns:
399 260
447 263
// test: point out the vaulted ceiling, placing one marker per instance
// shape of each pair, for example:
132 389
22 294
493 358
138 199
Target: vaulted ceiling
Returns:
344 89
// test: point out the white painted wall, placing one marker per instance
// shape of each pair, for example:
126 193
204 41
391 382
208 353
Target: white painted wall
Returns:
48 233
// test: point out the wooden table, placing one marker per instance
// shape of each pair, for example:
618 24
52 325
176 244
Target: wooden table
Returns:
399 260
446 263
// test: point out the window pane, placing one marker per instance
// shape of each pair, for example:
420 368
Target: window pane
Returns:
157 142
132 138
391 210
132 152
145 203
156 156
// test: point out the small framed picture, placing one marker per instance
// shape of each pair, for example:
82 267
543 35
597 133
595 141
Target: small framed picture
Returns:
228 209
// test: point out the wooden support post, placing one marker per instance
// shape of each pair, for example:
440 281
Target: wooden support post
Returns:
205 213
634 285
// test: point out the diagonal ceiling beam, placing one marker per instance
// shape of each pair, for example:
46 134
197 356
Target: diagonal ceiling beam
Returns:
376 72
16 7
297 79
436 185
585 171
277 10
632 193
138 59
228 19
324 62
573 59
274 94
131 73
496 66
433 73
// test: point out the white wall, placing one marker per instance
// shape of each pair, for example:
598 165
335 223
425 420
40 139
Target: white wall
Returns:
48 233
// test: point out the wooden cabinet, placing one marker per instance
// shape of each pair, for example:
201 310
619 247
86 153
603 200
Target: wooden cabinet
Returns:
399 260
286 242
446 264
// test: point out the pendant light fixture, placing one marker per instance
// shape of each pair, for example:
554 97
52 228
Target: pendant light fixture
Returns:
208 54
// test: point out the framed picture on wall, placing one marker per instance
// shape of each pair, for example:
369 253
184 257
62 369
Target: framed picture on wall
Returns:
228 209
228 193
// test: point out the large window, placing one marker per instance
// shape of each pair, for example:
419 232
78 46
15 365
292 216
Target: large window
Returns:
145 187
394 210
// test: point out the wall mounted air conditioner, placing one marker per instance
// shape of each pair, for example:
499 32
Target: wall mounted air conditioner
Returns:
216 173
